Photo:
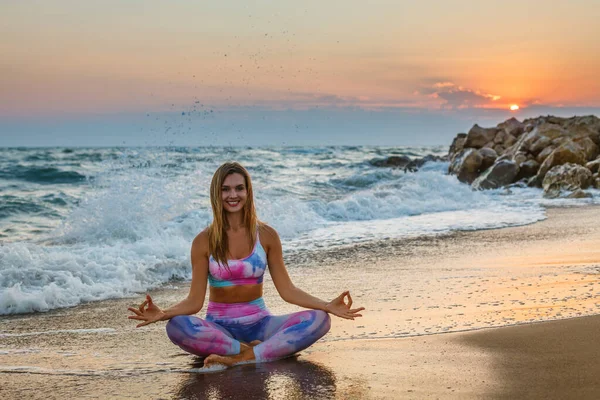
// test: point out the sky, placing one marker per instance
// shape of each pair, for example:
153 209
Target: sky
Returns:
146 72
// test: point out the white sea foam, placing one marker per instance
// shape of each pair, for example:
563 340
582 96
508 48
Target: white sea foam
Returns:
133 229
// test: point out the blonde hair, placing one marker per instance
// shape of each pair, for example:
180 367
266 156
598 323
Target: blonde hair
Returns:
217 231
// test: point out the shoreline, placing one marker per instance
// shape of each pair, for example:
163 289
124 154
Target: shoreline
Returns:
467 285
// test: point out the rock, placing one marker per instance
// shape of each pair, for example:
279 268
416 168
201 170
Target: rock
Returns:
417 163
512 127
457 144
489 157
586 126
499 149
579 194
596 182
500 174
589 147
527 169
392 161
489 145
568 152
478 137
568 177
544 154
466 164
540 144
520 158
504 138
593 166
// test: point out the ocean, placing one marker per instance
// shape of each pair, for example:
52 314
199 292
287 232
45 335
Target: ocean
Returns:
87 224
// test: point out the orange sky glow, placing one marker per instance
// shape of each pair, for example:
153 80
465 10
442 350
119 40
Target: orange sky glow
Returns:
74 57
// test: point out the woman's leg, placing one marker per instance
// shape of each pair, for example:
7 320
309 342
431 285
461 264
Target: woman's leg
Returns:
285 335
201 337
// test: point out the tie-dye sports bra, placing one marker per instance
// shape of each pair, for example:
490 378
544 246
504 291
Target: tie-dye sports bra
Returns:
247 271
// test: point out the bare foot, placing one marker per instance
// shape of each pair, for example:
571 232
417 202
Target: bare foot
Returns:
215 359
229 361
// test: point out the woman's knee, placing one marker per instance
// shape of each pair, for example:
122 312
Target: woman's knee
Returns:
179 325
322 321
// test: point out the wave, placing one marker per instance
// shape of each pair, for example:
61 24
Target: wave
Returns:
130 228
40 174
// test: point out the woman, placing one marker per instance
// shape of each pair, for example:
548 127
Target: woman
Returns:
238 327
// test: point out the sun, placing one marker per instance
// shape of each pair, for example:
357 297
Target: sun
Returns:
514 107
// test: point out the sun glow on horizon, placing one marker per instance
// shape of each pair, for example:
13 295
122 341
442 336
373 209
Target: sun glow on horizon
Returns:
514 107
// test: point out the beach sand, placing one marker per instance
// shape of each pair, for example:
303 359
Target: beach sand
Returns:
452 316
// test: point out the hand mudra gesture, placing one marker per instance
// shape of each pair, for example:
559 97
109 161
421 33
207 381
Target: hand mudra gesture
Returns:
147 312
342 309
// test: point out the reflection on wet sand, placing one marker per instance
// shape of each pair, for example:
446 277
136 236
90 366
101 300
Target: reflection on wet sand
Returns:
290 378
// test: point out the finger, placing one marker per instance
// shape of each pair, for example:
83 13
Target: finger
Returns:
341 296
144 324
141 308
149 299
137 317
349 300
355 310
135 311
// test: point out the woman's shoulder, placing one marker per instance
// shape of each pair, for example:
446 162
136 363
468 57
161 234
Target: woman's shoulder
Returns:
200 242
268 234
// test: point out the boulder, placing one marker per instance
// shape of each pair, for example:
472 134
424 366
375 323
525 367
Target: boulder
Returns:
540 144
499 149
489 157
579 194
457 144
466 164
596 181
417 163
392 161
593 166
504 138
500 174
527 169
525 142
566 177
545 153
568 152
520 158
478 137
512 127
590 148
586 126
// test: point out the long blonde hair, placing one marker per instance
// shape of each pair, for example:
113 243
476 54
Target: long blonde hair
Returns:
217 231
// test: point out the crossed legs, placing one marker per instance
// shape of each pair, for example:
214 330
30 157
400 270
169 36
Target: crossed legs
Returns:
229 342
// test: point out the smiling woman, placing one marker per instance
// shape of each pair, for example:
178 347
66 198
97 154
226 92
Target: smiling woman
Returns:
232 254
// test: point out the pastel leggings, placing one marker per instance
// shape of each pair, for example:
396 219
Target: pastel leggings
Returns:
228 324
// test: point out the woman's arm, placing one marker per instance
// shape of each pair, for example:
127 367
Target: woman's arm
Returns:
194 302
291 293
150 313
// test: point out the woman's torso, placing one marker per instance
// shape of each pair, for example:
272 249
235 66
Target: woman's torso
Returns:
241 280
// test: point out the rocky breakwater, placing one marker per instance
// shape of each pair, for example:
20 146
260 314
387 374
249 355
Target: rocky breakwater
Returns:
560 155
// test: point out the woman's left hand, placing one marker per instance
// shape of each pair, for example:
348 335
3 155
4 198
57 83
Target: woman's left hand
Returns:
342 309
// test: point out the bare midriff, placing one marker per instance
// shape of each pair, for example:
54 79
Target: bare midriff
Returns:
236 294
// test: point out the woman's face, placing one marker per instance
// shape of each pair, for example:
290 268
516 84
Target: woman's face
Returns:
234 193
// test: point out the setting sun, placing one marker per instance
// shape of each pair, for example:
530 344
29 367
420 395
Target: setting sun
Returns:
514 107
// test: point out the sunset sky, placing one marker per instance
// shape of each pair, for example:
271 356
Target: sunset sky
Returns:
311 72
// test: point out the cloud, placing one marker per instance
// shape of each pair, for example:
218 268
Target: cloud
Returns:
457 97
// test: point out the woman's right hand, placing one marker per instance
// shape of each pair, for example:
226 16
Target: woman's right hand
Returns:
147 312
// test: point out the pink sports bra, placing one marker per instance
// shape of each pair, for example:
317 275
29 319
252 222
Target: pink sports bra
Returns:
247 271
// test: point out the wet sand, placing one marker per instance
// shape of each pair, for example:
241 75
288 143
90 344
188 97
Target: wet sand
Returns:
436 327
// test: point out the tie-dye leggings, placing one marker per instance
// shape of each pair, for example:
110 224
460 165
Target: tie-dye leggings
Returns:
228 324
